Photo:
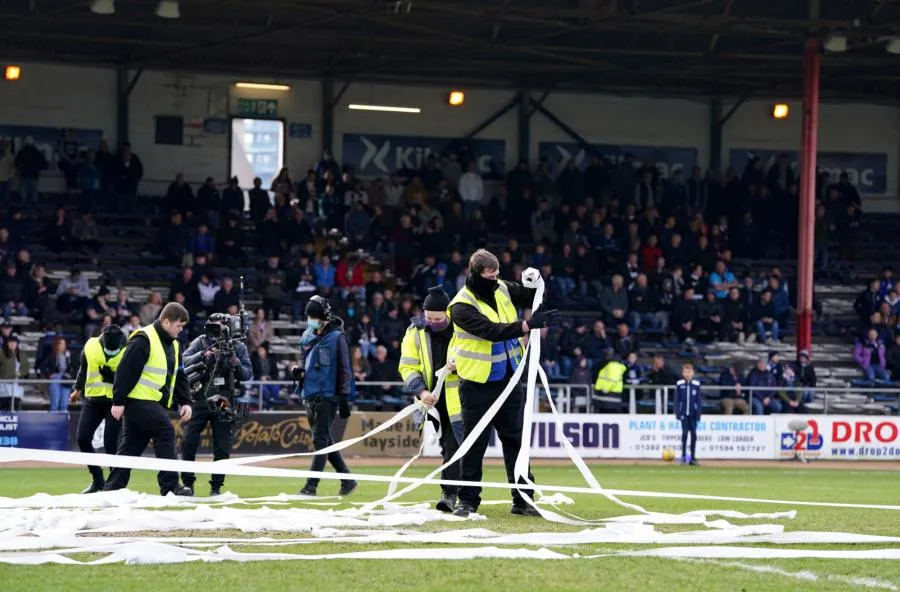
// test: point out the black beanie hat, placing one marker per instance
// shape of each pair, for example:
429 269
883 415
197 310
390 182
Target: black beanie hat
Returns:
318 308
437 300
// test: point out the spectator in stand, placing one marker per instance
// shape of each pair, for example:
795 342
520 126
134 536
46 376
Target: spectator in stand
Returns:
792 398
229 242
7 169
202 242
132 325
269 234
260 202
13 292
350 277
710 318
29 163
384 370
642 306
824 228
543 224
302 278
184 283
735 317
123 307
272 288
326 274
614 301
85 233
893 356
129 173
763 402
150 310
358 226
227 299
327 164
780 301
731 398
90 181
867 302
37 291
14 366
59 231
208 288
471 190
58 367
175 240
232 199
684 318
869 353
763 316
651 253
209 203
597 345
624 343
94 312
391 330
571 346
179 197
265 369
260 331
722 280
806 375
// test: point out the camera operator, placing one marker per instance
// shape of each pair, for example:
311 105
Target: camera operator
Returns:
99 360
326 381
237 367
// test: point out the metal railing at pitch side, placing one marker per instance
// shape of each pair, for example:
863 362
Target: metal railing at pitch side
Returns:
568 398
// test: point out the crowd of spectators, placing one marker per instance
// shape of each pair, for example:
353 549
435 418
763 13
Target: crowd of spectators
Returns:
646 258
877 347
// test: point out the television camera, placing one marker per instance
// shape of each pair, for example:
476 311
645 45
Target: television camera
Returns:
212 379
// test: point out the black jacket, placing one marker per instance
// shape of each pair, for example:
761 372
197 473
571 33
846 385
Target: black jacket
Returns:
137 352
470 319
194 354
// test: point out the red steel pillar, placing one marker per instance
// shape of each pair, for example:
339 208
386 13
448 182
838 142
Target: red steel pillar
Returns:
805 249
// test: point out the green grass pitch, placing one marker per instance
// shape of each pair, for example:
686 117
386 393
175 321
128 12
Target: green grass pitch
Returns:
611 573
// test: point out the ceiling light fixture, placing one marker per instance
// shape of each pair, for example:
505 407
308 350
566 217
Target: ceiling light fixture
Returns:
262 86
892 45
168 9
103 7
836 42
386 108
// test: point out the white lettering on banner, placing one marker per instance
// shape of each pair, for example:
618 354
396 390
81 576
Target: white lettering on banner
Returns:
841 437
626 436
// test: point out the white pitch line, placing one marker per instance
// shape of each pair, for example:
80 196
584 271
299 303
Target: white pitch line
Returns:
804 575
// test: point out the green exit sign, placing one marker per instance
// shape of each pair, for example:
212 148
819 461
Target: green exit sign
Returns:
257 107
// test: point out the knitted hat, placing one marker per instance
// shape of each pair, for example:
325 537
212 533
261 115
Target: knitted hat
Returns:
437 300
804 353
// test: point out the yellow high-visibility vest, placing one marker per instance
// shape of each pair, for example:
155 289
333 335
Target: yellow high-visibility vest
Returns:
416 361
479 360
96 359
610 378
153 376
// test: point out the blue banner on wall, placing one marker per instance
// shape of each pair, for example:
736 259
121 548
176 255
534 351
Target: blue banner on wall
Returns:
34 429
666 158
47 139
867 170
374 155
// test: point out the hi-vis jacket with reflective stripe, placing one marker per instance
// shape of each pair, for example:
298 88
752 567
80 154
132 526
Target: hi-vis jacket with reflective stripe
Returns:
417 364
96 359
477 359
610 378
153 377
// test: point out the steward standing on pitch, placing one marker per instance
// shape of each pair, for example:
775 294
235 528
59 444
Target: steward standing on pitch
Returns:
203 349
488 344
423 352
99 360
325 378
149 379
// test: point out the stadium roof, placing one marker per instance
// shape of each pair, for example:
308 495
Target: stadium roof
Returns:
728 47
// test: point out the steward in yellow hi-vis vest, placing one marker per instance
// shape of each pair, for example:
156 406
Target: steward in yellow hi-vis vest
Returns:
487 334
425 349
610 379
99 360
150 377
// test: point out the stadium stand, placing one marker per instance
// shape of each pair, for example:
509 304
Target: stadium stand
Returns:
375 247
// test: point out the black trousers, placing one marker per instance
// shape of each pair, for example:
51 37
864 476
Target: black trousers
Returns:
221 437
145 421
93 412
321 412
476 399
449 446
689 428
